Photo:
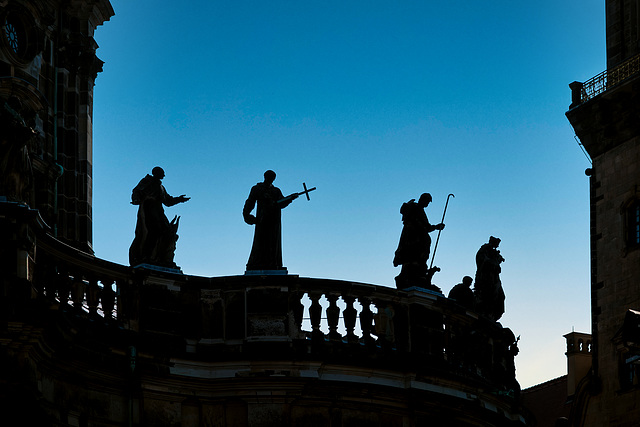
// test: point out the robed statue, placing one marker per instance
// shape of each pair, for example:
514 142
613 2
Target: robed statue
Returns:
266 252
16 136
488 290
415 245
155 237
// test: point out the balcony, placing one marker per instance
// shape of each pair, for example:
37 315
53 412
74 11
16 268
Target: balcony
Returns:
582 92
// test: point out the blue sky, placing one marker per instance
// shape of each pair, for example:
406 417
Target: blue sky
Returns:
373 103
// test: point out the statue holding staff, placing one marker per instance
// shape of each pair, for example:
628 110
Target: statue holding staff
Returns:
415 245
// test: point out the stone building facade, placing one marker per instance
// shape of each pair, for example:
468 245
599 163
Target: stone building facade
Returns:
605 113
48 67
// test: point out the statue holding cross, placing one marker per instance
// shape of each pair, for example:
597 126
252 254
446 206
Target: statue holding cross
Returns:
266 252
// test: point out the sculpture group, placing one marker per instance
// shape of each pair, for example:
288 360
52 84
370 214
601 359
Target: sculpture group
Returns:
414 249
155 237
487 297
155 241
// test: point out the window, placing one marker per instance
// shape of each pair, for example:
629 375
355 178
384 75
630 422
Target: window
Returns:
19 35
629 371
15 35
632 232
11 33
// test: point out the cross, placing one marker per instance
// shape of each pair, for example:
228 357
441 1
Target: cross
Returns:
306 192
294 195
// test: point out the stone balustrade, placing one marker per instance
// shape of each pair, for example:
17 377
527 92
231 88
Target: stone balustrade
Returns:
273 317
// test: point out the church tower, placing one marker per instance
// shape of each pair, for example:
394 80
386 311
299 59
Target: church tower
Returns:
48 67
605 113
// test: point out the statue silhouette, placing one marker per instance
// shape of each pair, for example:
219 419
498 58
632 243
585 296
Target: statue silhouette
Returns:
155 237
266 251
488 288
415 245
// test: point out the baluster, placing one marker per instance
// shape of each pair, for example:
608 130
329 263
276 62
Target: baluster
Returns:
366 321
77 291
50 278
350 314
63 285
124 307
108 299
384 324
297 309
93 296
315 313
333 317
39 280
128 301
436 335
449 337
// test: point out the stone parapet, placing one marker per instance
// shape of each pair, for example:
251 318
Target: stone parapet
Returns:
277 347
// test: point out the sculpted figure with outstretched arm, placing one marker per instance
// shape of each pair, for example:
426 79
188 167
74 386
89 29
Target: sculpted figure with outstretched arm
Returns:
155 236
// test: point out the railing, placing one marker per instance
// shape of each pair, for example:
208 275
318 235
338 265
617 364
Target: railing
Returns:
69 277
582 92
183 316
354 322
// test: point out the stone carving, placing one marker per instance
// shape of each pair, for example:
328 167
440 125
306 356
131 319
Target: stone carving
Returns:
155 237
462 293
488 288
415 245
506 349
16 174
266 252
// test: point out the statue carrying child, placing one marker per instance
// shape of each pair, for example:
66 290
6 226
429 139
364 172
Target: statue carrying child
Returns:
488 287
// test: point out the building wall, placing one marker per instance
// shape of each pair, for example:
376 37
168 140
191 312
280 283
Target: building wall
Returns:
608 125
48 61
617 178
622 17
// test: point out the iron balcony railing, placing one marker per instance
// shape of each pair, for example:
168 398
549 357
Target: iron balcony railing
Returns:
609 78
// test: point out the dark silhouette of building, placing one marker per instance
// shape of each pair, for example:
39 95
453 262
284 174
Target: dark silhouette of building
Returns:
86 342
605 114
552 402
48 65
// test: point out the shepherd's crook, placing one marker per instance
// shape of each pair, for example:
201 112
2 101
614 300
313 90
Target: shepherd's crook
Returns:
440 231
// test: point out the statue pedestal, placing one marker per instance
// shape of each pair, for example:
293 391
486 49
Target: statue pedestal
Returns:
280 272
159 268
423 290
